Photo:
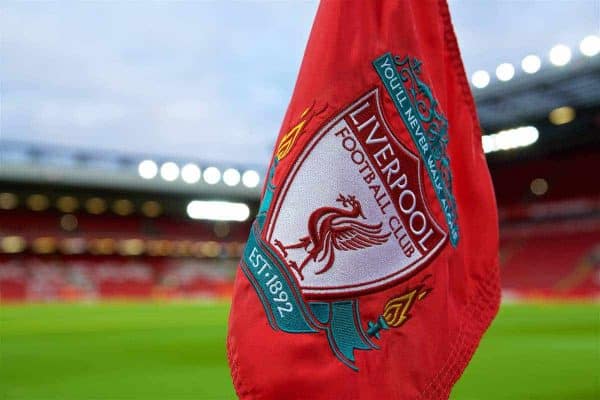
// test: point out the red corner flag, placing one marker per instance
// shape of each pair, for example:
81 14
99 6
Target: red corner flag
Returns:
371 269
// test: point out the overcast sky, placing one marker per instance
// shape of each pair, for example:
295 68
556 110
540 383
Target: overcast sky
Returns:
206 80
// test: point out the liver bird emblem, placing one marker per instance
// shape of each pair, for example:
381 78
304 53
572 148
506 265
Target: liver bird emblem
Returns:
331 229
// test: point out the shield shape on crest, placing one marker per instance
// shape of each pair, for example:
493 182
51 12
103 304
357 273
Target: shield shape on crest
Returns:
352 217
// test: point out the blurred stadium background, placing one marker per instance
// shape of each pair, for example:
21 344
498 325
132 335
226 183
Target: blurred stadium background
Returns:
116 267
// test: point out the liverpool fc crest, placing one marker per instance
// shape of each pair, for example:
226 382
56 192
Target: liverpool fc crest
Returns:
386 212
349 217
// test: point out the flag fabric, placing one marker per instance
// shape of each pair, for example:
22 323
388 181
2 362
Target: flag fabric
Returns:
371 270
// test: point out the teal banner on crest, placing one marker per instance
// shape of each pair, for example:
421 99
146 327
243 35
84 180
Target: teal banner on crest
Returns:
403 94
268 275
287 311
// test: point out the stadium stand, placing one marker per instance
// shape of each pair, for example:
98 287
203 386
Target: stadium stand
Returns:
88 278
551 260
82 225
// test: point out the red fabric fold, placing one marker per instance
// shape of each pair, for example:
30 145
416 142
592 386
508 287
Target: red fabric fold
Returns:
375 310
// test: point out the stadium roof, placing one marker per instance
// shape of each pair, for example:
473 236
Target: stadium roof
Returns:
526 100
505 105
56 165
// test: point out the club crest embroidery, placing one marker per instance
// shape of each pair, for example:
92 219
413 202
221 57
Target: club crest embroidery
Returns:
349 218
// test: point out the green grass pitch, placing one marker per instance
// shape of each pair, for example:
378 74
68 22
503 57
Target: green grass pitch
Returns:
177 351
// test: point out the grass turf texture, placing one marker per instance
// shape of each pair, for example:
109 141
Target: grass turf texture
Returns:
177 351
